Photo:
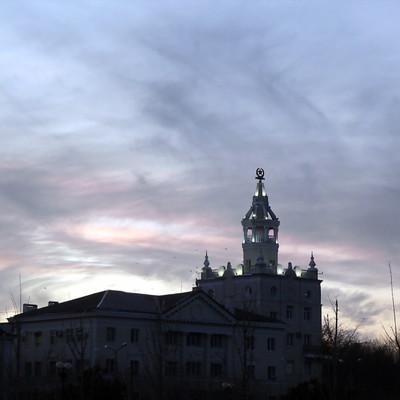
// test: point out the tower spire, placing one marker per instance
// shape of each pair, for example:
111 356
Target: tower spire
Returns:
260 228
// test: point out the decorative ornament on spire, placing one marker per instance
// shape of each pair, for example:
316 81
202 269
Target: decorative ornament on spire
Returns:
206 261
312 262
260 174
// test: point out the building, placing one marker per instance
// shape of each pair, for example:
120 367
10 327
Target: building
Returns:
248 330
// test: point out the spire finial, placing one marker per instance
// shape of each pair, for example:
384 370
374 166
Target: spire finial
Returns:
260 174
206 262
312 262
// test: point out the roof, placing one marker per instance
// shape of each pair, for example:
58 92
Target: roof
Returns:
112 300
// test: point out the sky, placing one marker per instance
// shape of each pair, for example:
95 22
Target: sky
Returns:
131 132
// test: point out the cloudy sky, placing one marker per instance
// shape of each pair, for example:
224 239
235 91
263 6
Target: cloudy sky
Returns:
131 131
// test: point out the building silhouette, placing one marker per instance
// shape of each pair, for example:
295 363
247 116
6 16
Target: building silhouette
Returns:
247 331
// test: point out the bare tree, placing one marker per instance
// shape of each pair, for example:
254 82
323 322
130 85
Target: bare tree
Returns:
391 333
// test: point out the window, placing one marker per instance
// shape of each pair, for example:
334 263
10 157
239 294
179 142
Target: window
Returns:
289 312
52 368
307 340
134 367
110 365
29 338
307 294
134 335
251 371
216 370
171 368
28 369
307 313
271 344
69 335
53 337
272 373
38 369
273 291
110 334
38 338
249 342
217 341
193 339
193 369
80 335
273 315
289 367
172 338
289 339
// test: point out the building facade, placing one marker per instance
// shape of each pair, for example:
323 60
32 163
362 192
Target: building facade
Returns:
252 330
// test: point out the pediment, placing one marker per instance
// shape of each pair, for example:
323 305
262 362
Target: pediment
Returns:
199 308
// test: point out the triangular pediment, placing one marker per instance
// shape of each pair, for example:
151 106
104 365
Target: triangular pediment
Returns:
199 308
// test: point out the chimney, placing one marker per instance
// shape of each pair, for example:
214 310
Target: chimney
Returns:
29 307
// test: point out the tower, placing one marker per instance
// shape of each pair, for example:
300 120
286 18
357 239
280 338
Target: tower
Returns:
260 230
290 295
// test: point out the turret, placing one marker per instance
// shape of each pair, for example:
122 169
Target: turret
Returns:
260 229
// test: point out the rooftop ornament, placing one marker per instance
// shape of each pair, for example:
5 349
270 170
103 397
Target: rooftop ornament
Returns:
260 174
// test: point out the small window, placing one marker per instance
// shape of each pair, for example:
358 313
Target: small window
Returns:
211 293
53 337
273 291
69 335
134 367
290 367
38 369
249 342
272 373
273 315
193 369
307 294
28 369
217 341
38 338
134 335
110 334
171 368
80 334
193 339
307 340
216 370
271 344
307 314
289 312
52 368
172 338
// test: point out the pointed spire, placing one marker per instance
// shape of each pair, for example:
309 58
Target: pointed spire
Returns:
206 262
312 262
